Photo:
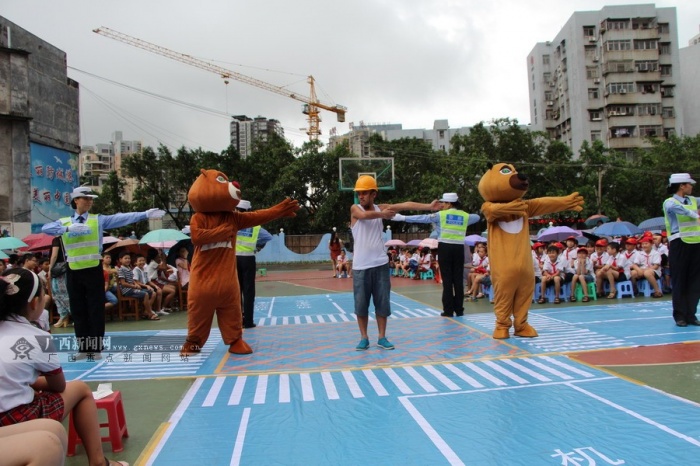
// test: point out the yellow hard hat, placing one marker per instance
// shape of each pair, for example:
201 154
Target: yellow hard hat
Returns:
366 183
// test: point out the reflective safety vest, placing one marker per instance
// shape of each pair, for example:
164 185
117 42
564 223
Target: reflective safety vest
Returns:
246 241
82 249
688 227
453 226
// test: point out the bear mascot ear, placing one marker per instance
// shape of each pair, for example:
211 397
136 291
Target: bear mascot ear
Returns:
489 165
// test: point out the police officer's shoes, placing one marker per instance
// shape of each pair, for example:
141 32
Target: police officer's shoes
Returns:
250 325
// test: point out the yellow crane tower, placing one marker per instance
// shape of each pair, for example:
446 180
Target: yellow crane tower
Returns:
311 104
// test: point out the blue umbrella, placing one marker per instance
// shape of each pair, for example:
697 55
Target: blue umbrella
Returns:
471 240
656 223
163 238
10 242
617 229
414 242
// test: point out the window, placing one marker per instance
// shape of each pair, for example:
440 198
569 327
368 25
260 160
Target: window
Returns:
593 93
595 136
668 112
548 95
646 44
650 131
667 91
594 115
441 134
618 24
666 70
664 28
613 45
545 59
620 88
664 48
589 31
648 109
592 72
668 132
647 88
644 66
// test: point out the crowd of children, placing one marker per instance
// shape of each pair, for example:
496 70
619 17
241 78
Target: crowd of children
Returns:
412 262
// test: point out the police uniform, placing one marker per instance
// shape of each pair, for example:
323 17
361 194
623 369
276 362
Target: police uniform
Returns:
683 229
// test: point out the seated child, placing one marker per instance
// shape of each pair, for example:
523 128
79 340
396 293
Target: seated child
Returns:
583 274
141 276
342 265
599 258
647 264
479 271
424 264
552 273
130 288
34 386
614 269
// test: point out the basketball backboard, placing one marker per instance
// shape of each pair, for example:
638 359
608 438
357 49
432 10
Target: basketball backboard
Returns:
381 168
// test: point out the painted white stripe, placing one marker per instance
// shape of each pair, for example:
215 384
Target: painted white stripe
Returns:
214 391
401 314
412 313
272 304
320 319
352 385
459 373
285 320
506 372
344 318
424 313
332 318
175 419
308 319
260 390
297 320
237 392
484 374
273 321
285 396
566 366
527 370
375 383
545 367
307 390
261 322
240 438
329 385
337 306
634 414
432 434
442 378
395 304
425 385
400 384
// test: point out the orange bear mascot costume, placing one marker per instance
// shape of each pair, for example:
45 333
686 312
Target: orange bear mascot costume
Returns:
510 254
213 285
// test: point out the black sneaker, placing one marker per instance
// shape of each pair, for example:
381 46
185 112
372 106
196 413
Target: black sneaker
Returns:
681 323
447 314
250 325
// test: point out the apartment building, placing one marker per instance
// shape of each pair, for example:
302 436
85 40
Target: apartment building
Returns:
245 131
611 75
690 86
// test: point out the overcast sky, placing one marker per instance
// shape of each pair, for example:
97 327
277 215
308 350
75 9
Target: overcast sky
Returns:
388 61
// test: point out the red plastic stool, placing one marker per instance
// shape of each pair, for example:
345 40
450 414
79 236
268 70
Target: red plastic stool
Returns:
116 422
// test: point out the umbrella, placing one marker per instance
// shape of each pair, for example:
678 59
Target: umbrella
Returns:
593 220
163 238
471 240
10 242
109 240
3 255
618 228
414 242
131 245
173 253
656 223
557 233
395 242
38 241
431 243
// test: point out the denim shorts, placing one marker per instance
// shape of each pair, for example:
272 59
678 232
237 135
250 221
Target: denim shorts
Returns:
110 298
138 294
374 283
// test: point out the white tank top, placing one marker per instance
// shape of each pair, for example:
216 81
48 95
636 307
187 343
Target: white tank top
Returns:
368 251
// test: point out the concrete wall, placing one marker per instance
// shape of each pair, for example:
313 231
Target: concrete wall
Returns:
38 103
275 252
690 88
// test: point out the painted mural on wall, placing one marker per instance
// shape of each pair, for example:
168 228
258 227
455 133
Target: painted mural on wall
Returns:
54 174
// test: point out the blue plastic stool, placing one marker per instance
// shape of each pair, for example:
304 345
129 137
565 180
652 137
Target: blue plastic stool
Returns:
645 287
624 289
427 275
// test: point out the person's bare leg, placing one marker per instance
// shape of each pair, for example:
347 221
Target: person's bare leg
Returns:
362 323
381 327
36 442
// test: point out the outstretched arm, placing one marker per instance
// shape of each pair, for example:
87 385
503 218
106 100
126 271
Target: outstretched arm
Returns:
286 208
494 211
410 205
550 205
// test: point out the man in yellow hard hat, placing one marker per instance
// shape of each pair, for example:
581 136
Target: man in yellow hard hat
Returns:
370 264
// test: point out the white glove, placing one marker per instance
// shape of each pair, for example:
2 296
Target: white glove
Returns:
78 228
398 218
155 213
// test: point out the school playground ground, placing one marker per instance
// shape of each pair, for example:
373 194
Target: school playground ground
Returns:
607 382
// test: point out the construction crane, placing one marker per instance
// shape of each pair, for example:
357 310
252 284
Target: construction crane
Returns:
311 105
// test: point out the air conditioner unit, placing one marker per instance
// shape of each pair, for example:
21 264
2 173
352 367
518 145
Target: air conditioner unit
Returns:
623 91
592 38
596 81
550 103
612 113
596 58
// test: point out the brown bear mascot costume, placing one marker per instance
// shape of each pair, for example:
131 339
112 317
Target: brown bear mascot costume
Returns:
213 285
510 255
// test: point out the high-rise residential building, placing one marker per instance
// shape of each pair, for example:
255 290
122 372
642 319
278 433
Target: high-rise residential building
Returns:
245 131
690 86
95 163
611 75
358 138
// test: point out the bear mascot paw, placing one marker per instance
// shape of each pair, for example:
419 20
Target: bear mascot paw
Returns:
510 255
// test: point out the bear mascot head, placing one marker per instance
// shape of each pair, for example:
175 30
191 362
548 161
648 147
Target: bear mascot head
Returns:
213 192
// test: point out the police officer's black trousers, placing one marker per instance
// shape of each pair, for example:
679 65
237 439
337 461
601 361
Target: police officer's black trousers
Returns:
86 292
451 260
246 266
684 260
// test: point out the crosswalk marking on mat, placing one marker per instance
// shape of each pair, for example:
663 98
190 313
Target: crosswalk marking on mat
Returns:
249 390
